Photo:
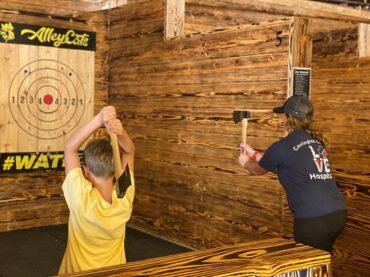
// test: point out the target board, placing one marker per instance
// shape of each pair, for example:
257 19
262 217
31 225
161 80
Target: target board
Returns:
47 86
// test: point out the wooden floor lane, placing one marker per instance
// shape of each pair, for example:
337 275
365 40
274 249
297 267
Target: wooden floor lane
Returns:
268 257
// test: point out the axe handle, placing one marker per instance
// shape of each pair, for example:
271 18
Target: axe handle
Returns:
244 130
116 157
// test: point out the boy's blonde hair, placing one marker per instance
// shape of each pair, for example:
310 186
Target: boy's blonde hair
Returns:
98 157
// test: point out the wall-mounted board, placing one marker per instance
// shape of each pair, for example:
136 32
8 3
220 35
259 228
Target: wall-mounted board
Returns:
47 86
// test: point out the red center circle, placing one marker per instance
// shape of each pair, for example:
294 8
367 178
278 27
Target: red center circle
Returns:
48 99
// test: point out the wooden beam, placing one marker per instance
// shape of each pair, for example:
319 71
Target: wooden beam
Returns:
268 257
64 8
174 18
311 9
363 40
300 53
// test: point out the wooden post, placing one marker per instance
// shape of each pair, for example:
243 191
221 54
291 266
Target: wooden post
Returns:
363 40
174 18
300 49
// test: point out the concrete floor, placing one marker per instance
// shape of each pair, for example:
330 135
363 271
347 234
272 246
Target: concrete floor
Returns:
38 251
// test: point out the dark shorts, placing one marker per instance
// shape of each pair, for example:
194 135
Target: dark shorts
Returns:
320 232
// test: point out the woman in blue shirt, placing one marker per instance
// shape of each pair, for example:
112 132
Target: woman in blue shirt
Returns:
303 168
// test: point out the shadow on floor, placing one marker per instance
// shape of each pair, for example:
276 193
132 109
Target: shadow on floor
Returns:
39 251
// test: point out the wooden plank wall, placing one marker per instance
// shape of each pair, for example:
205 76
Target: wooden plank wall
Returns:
335 47
341 95
338 77
167 110
176 99
33 199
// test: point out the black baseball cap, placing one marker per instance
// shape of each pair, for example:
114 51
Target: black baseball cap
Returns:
298 106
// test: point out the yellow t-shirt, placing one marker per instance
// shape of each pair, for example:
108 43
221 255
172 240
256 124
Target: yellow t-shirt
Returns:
96 228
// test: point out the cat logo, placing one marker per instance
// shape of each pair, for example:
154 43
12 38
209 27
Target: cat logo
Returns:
6 31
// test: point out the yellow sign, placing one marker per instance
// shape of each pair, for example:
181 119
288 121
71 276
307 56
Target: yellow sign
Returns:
46 36
32 162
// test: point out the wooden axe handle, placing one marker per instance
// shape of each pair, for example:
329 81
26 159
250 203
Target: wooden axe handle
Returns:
244 130
116 158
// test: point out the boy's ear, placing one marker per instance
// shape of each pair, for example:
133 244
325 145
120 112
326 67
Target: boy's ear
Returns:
86 171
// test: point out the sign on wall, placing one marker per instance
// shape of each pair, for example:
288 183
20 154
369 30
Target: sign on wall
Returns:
47 91
302 81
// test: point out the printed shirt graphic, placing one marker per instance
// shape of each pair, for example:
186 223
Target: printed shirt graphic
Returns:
303 169
320 158
96 229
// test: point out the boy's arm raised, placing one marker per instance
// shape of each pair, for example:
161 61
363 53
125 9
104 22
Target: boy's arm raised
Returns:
73 144
124 140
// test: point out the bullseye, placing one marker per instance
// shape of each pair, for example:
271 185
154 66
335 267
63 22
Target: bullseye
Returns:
48 99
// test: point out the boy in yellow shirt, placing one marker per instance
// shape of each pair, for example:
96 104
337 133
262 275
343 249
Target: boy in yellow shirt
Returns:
97 221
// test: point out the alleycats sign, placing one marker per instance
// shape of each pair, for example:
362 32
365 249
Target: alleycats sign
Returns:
46 36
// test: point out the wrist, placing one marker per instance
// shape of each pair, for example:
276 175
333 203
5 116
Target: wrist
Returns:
254 156
99 119
258 156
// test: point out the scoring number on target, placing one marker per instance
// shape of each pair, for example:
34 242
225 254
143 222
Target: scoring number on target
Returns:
46 99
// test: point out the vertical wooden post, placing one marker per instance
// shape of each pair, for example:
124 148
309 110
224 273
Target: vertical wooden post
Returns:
300 48
363 40
113 4
174 18
121 2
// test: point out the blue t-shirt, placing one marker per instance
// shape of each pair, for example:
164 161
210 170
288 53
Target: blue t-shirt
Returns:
303 169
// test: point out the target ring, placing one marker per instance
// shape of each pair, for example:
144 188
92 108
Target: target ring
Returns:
46 99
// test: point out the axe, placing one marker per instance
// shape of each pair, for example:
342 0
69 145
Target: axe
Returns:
242 115
123 179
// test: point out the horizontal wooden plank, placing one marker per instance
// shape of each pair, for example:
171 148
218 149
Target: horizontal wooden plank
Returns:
33 213
135 11
148 28
263 258
242 39
218 182
204 18
181 201
223 134
199 18
45 21
67 8
302 8
266 61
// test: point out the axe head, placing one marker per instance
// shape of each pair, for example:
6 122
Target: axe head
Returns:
238 116
123 183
